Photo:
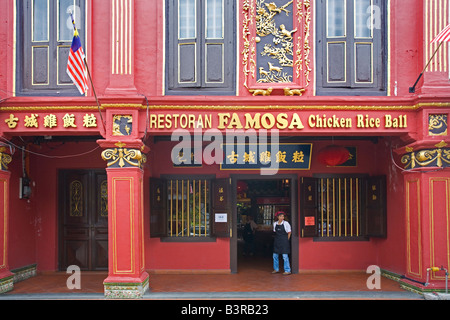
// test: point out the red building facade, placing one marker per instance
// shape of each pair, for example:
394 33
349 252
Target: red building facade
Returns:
197 99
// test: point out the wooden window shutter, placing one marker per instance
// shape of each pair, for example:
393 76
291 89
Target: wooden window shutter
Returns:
187 60
308 207
375 208
184 46
158 208
43 55
198 63
351 61
221 210
369 52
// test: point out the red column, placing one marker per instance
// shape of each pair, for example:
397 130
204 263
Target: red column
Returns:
126 277
427 202
427 196
6 277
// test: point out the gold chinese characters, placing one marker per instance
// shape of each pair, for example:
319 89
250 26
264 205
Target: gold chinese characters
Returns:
51 121
265 157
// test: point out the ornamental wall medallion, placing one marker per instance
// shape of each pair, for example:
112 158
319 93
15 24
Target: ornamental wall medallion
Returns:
122 125
276 55
437 125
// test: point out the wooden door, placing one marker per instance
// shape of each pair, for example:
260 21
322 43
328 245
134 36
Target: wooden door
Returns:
83 219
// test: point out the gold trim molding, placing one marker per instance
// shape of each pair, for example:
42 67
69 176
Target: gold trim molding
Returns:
411 107
287 107
48 108
427 158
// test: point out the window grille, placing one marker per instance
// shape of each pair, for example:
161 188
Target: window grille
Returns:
188 208
340 207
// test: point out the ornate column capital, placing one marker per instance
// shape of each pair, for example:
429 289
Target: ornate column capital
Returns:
122 157
436 156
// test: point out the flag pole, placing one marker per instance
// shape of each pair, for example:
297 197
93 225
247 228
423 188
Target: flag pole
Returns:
413 88
95 95
90 79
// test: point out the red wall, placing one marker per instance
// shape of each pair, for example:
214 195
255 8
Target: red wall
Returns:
372 159
392 250
23 221
34 222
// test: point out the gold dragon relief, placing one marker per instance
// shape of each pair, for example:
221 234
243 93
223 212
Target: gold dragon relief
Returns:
276 37
275 41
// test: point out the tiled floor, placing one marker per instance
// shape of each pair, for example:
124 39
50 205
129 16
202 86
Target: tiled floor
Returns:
250 278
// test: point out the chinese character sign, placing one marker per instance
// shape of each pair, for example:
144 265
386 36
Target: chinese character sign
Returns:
50 121
287 156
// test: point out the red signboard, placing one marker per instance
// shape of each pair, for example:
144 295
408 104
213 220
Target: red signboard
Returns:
310 221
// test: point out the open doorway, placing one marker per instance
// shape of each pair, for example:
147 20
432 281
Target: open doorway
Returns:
257 202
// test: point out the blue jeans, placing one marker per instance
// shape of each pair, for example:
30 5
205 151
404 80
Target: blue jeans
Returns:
276 266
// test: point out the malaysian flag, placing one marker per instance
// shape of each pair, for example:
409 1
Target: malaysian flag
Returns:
76 68
443 36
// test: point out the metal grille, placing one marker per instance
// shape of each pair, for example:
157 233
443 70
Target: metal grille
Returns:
340 207
76 199
188 208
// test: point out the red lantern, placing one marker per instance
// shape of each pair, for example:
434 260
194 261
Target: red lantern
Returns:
333 155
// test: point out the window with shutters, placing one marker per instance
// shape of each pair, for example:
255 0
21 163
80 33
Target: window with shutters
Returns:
200 47
185 208
44 37
351 47
343 207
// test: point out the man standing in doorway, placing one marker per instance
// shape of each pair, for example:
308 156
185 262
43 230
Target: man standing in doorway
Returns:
281 244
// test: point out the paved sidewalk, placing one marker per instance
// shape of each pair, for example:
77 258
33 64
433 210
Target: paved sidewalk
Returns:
352 295
253 281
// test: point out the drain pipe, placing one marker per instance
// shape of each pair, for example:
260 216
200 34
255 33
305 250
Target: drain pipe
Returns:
435 269
446 279
405 277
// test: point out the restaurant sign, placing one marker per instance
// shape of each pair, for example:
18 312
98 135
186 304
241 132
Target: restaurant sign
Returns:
290 121
283 156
